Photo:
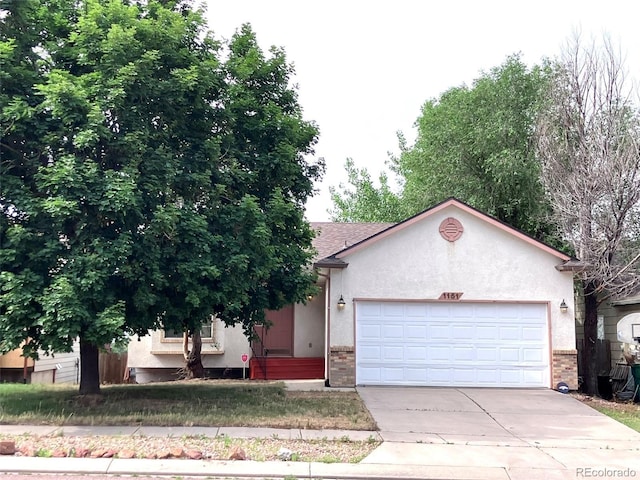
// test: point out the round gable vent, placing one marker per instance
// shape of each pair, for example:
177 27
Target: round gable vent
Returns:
451 229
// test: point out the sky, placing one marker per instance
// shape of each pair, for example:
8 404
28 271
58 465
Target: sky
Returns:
365 68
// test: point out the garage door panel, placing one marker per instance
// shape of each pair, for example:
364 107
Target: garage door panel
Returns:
393 310
392 353
487 354
463 333
370 376
533 355
416 353
463 353
369 352
439 375
464 376
486 332
487 377
416 332
392 374
438 353
439 332
370 332
452 344
393 331
370 309
416 310
509 354
509 333
533 333
532 376
417 375
510 377
439 311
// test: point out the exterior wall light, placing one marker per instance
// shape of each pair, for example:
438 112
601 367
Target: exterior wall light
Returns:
341 303
564 307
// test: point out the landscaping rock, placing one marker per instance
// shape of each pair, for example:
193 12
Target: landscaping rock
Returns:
59 453
177 452
27 450
194 454
126 454
237 453
82 452
109 454
164 454
97 453
7 447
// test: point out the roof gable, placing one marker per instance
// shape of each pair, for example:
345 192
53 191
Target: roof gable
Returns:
392 229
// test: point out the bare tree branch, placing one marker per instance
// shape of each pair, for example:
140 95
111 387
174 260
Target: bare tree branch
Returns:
588 143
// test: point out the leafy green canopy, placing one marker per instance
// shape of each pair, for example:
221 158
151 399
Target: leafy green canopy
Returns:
149 175
474 143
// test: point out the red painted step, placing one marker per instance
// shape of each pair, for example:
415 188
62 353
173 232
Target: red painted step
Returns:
286 368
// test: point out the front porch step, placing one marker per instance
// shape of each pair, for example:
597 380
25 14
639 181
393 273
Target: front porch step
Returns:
286 368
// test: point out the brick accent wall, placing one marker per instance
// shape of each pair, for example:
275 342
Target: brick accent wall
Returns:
565 368
342 367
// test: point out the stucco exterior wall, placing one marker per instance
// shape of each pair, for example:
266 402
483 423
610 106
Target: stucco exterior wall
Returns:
486 264
308 328
225 352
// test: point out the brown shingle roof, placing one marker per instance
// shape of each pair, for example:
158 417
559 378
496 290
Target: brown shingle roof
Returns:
332 237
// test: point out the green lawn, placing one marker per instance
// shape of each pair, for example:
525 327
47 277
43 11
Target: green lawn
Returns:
203 403
630 417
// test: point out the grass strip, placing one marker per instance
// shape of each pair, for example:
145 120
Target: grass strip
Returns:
195 403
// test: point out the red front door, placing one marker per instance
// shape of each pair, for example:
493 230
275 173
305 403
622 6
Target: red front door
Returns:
277 339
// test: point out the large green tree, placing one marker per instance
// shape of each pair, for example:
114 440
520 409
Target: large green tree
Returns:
150 176
473 142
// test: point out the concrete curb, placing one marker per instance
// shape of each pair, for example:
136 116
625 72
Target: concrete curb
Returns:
243 469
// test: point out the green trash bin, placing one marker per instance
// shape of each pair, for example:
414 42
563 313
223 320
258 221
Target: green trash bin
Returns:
635 371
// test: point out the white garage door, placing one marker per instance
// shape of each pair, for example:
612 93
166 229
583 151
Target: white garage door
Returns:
452 344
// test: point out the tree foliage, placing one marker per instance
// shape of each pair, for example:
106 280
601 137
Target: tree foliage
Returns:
363 201
589 147
474 143
150 176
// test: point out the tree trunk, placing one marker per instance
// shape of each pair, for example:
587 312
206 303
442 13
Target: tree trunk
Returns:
89 371
193 358
590 360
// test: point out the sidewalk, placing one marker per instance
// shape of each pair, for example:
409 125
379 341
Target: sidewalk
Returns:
500 435
392 460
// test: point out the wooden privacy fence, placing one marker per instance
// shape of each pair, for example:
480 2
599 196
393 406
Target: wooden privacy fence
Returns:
112 367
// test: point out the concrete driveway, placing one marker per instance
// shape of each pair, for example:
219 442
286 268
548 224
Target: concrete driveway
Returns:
525 433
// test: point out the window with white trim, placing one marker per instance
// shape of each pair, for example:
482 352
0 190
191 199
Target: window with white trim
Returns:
207 332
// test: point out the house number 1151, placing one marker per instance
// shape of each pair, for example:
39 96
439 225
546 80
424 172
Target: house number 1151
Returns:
450 296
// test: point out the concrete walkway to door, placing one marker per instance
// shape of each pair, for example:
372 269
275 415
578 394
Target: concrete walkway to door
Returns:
500 433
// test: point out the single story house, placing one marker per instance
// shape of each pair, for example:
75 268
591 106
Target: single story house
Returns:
448 297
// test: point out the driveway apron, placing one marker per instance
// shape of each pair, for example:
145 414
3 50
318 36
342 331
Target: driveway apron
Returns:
531 431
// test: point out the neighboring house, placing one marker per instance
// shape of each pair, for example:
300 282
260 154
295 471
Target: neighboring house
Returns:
55 368
609 314
449 297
